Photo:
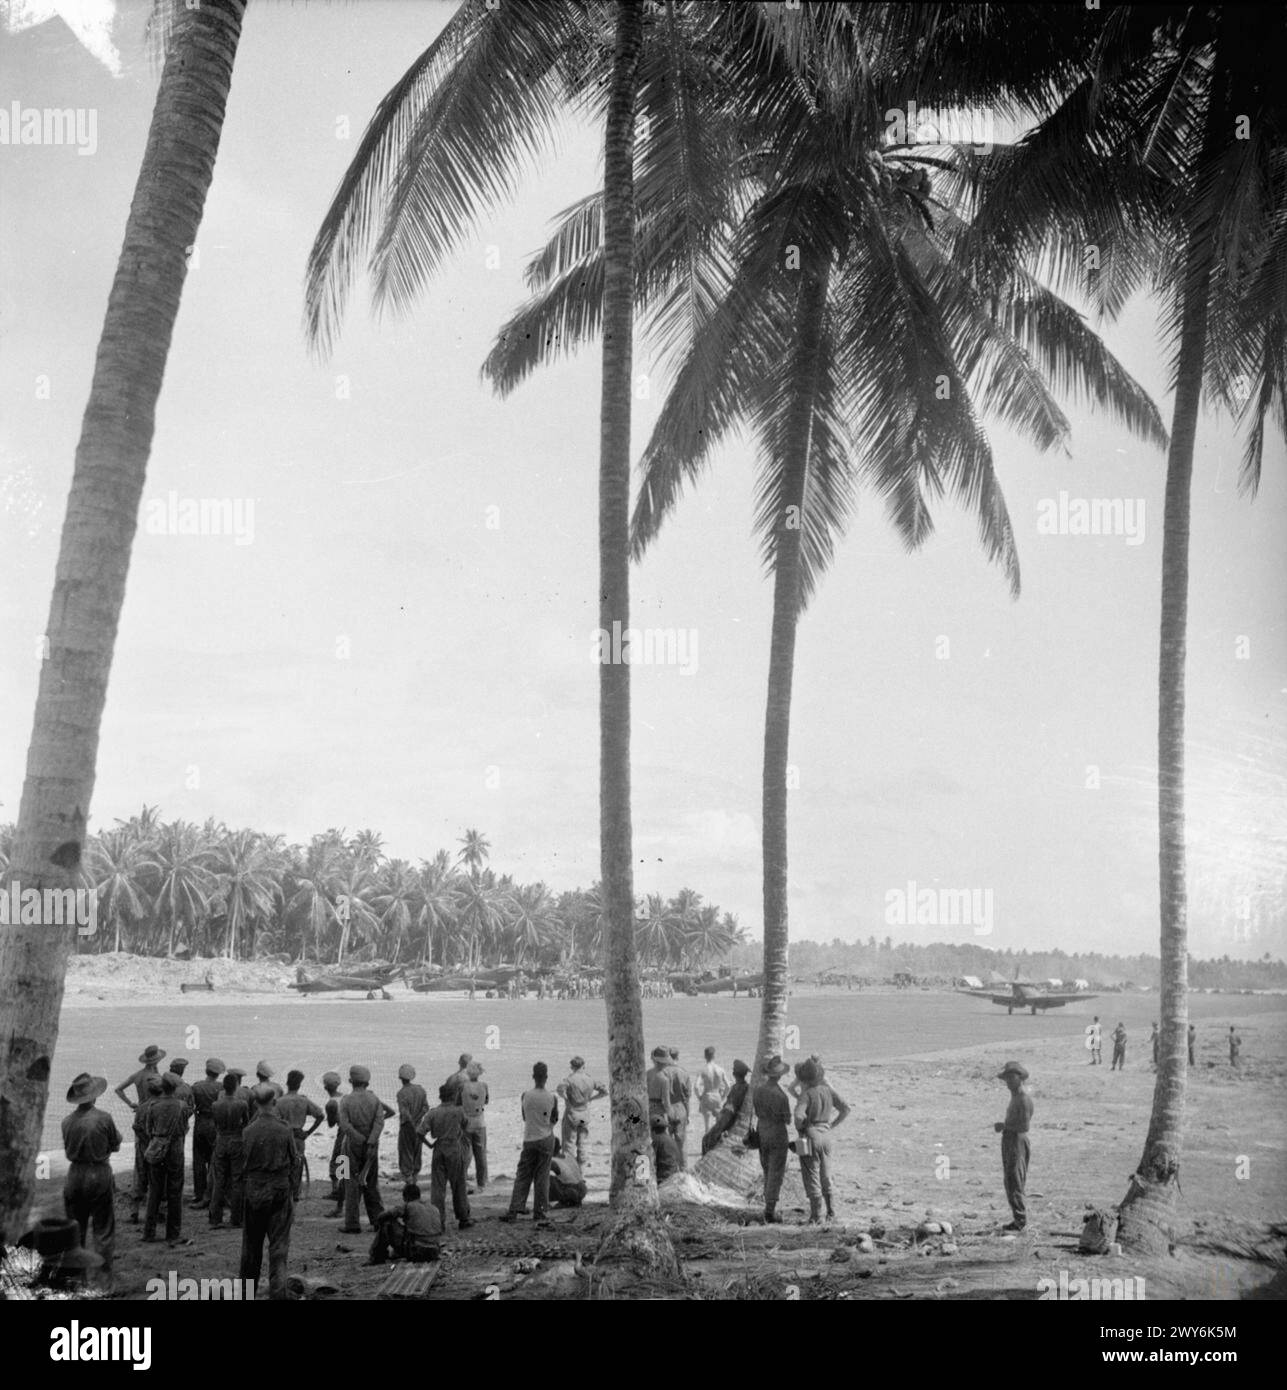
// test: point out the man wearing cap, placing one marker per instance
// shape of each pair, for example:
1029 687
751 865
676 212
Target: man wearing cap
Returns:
819 1110
361 1121
205 1094
444 1127
90 1138
269 1161
183 1092
712 1087
295 1109
681 1095
264 1075
150 1056
228 1184
413 1106
331 1085
731 1108
578 1090
772 1115
1015 1148
167 1123
540 1111
474 1099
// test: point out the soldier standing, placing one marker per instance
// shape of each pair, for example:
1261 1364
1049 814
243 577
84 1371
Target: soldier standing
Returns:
818 1111
228 1183
1119 1048
413 1106
1235 1046
361 1121
269 1160
205 1094
772 1114
578 1090
295 1108
166 1125
1015 1146
150 1056
90 1138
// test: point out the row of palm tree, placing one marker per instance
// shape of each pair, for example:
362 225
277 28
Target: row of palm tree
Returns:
175 888
851 302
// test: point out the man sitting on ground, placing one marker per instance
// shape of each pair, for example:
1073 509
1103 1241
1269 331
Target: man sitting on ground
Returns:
567 1186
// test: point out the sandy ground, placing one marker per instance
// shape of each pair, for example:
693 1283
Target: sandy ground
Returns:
918 1146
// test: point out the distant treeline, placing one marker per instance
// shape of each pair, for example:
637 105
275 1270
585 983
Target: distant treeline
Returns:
947 960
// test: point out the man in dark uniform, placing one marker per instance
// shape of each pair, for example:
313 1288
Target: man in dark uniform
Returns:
819 1110
444 1125
665 1152
1015 1147
140 1079
413 1106
182 1091
731 1108
228 1183
1235 1046
361 1122
772 1115
681 1096
90 1138
269 1159
295 1109
1155 1040
204 1095
167 1123
1193 1037
412 1231
1119 1048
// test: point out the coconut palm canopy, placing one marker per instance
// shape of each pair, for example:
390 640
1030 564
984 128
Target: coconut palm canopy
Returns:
167 888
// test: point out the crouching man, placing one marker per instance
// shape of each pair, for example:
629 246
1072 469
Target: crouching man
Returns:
412 1231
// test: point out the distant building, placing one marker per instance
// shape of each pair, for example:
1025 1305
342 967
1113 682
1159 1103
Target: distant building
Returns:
971 982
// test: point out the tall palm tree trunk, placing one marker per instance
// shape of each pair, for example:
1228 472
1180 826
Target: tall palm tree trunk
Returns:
93 562
631 1140
1148 1210
787 588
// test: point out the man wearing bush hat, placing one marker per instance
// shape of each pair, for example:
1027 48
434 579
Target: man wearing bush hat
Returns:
772 1115
361 1120
150 1056
204 1095
1015 1148
90 1138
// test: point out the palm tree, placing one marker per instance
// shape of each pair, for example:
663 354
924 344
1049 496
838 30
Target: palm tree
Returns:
93 561
832 323
117 871
310 892
179 860
1169 156
475 849
480 915
353 889
532 920
438 901
397 900
246 867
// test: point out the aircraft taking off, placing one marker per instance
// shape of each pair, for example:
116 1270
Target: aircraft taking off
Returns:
1024 994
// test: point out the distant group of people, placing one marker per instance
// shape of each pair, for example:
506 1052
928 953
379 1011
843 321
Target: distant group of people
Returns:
1094 1045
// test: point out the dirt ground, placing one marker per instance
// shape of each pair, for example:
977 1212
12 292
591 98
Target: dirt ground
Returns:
918 1146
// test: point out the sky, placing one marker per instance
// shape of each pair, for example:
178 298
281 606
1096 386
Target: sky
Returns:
395 632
